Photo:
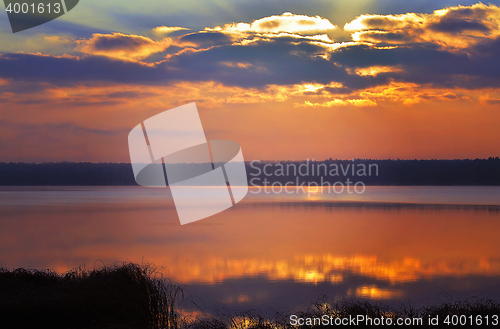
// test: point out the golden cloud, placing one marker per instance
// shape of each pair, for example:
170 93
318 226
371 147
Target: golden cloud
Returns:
454 27
375 70
411 93
342 102
284 23
122 46
162 30
393 92
383 22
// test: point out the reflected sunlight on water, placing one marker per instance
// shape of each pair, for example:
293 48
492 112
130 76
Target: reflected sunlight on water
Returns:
373 292
273 250
323 268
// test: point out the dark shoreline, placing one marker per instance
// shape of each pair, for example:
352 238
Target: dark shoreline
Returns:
478 172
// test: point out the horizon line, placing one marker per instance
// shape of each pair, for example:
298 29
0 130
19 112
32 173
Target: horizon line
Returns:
266 161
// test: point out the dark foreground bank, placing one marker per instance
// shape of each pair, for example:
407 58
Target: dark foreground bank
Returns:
133 296
126 296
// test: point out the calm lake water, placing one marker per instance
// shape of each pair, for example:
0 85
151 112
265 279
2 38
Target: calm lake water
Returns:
393 244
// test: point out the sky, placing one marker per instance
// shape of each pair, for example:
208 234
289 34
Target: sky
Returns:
287 80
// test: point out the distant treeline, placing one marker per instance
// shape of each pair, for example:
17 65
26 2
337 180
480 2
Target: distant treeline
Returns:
370 172
66 173
378 172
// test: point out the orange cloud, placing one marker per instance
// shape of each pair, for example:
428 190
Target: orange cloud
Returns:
410 93
394 92
168 29
286 22
375 70
122 46
303 28
454 27
342 102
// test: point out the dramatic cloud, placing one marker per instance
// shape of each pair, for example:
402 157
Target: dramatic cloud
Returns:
453 48
204 39
375 70
341 102
410 85
455 27
287 22
161 30
122 46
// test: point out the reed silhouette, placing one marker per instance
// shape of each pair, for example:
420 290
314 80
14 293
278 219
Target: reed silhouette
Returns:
125 296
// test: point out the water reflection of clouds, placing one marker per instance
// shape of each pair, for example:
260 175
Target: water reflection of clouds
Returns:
260 293
325 268
263 253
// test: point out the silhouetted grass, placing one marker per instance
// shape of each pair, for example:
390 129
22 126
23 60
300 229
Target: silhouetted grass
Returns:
133 296
126 296
223 319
